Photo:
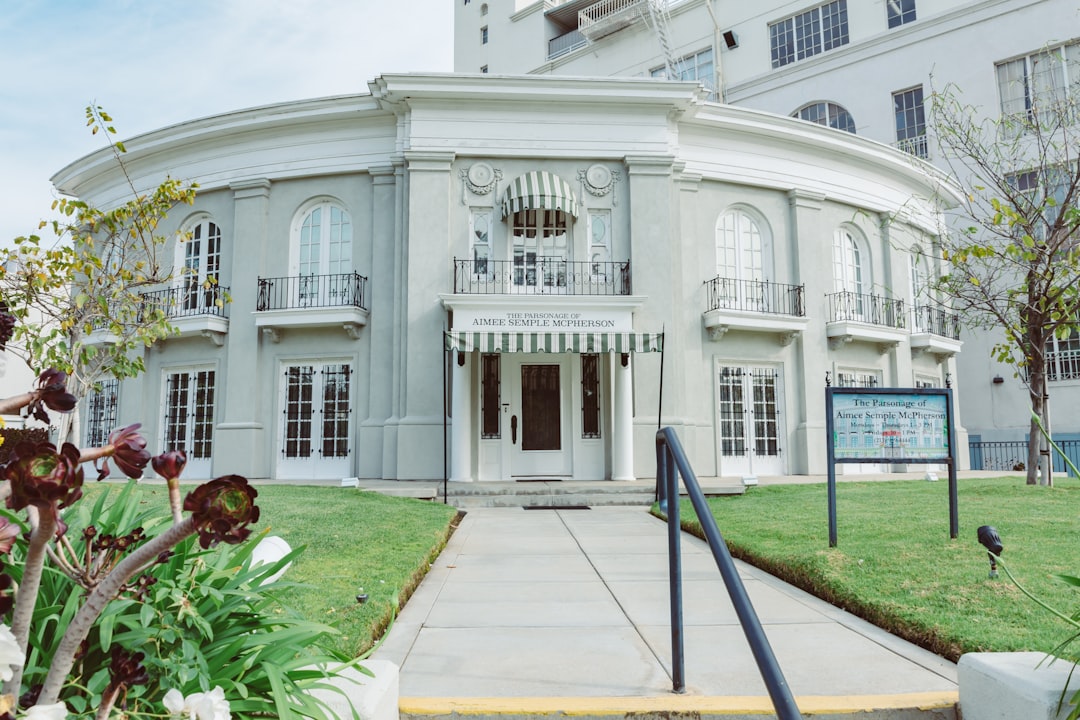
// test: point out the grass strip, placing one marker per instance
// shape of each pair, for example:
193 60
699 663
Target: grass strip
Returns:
896 566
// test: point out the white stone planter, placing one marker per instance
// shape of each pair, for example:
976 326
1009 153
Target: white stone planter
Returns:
1013 686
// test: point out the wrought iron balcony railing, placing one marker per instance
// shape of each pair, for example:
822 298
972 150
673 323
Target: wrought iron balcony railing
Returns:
761 296
312 291
189 300
565 44
542 276
871 309
937 322
916 146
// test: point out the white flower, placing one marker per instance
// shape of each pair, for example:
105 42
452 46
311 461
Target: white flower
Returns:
10 654
57 711
198 706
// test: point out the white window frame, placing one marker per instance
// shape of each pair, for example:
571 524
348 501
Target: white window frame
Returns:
1026 83
101 412
198 266
909 114
481 249
827 113
899 12
699 66
804 34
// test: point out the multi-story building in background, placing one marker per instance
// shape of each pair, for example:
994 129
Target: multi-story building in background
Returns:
868 68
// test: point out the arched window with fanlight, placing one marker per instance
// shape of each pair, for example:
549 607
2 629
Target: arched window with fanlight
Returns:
742 262
199 262
828 114
321 252
540 209
850 275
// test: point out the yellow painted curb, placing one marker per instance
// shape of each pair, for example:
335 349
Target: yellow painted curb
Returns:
698 704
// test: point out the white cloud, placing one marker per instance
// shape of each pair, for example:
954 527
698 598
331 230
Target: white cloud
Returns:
152 64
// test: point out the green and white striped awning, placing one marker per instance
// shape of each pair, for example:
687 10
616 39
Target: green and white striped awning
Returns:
539 189
554 342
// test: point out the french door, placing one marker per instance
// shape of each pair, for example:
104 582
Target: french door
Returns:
315 431
748 420
189 418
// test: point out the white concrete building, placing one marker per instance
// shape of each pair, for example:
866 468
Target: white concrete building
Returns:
865 67
528 243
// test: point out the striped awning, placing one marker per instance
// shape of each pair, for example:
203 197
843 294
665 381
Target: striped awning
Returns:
539 189
554 342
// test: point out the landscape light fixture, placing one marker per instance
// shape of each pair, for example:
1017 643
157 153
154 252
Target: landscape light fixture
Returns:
989 538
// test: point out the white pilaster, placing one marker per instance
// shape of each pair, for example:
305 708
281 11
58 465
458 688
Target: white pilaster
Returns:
461 420
622 440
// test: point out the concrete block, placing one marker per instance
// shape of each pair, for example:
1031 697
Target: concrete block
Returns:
370 698
1009 686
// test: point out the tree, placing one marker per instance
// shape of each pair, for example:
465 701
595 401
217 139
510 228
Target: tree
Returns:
91 279
1012 245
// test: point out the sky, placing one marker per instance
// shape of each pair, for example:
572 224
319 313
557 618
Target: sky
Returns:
153 63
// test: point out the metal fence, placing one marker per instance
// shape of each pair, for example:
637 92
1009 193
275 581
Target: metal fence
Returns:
760 296
312 291
541 276
862 307
1011 455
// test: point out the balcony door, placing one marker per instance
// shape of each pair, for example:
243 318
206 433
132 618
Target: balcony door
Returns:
748 420
740 262
189 418
540 250
314 435
539 425
201 269
322 250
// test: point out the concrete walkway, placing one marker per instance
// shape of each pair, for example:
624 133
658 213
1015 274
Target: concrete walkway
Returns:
566 611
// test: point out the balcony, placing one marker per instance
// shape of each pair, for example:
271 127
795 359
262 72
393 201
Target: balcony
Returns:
754 306
916 146
542 276
566 44
311 301
866 318
935 331
195 310
609 16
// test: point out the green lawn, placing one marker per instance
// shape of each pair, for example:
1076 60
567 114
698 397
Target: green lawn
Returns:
895 565
356 542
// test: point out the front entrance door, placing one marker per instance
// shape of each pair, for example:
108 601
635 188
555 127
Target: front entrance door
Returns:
748 420
189 418
314 437
539 423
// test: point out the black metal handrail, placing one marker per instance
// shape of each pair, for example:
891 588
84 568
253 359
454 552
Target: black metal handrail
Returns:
542 275
312 291
671 462
863 307
189 300
763 296
937 322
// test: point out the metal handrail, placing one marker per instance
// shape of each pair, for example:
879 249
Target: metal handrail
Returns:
671 461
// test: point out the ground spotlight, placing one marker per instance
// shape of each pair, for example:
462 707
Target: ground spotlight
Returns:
989 538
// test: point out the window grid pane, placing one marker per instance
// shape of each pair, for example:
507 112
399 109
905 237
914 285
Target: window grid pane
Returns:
101 412
489 407
335 411
900 12
590 395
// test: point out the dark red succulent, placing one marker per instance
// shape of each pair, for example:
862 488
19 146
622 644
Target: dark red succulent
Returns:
128 448
169 464
7 325
7 594
41 476
51 391
222 510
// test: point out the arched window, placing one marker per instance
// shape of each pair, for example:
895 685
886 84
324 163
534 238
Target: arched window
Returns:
849 275
920 289
199 263
827 113
322 248
740 260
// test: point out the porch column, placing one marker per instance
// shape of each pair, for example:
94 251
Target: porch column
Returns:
622 437
461 419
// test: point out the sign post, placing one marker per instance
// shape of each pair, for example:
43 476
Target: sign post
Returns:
889 425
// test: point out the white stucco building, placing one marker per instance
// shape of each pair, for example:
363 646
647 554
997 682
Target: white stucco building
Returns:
864 67
527 238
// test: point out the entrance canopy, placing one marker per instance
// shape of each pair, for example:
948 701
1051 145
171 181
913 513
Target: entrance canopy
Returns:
539 189
554 342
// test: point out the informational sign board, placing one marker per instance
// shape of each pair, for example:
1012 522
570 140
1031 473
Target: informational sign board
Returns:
890 425
879 427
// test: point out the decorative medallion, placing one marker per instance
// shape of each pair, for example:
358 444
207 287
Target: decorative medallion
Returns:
481 178
599 180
